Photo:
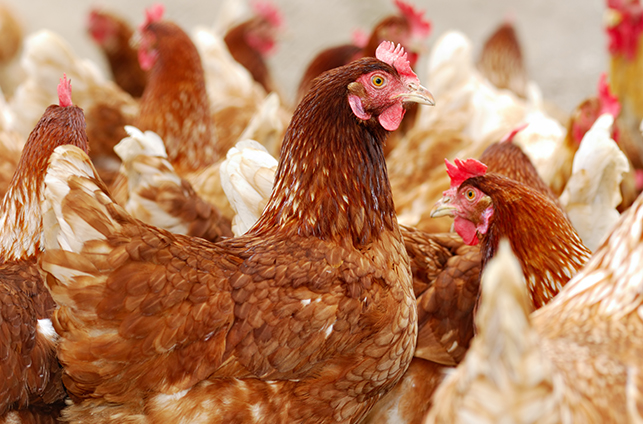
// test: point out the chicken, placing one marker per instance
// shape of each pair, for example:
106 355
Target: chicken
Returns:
31 387
292 322
157 196
593 191
250 41
113 34
501 60
488 207
175 104
577 359
623 27
407 28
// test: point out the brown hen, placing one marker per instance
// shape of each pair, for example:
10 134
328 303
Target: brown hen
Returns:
488 207
309 317
31 388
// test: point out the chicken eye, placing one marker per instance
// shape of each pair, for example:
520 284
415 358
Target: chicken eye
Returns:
470 194
378 80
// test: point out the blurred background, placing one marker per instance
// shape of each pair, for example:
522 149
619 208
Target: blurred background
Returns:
563 41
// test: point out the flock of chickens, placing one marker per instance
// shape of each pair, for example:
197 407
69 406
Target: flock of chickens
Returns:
180 245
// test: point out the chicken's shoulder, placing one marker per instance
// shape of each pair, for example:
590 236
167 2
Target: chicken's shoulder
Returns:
446 281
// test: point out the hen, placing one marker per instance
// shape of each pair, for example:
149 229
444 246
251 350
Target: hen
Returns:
113 34
309 317
31 387
574 360
250 41
407 28
488 207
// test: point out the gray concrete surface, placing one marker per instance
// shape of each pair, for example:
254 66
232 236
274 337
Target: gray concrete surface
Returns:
564 43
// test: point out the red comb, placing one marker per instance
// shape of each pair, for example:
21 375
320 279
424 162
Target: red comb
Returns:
268 11
396 57
64 92
609 102
463 170
510 135
419 26
154 13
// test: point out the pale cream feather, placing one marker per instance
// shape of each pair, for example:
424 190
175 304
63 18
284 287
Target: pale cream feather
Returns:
593 191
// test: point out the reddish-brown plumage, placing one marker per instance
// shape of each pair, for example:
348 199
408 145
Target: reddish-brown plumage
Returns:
308 317
30 376
112 34
543 239
175 103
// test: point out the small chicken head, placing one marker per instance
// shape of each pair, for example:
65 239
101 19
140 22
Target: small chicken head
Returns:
382 94
101 27
147 52
263 29
471 207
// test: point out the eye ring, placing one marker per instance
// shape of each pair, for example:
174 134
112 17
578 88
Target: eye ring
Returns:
378 80
470 194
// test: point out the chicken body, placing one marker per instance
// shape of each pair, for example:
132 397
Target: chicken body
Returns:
31 386
309 317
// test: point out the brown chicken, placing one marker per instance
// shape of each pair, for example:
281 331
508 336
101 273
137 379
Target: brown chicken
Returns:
251 41
308 317
488 207
175 103
577 359
113 34
404 28
31 388
501 60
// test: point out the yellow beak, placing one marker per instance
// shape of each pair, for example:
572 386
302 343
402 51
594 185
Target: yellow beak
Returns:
418 94
443 208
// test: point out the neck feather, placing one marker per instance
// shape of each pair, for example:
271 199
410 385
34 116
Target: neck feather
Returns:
331 181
